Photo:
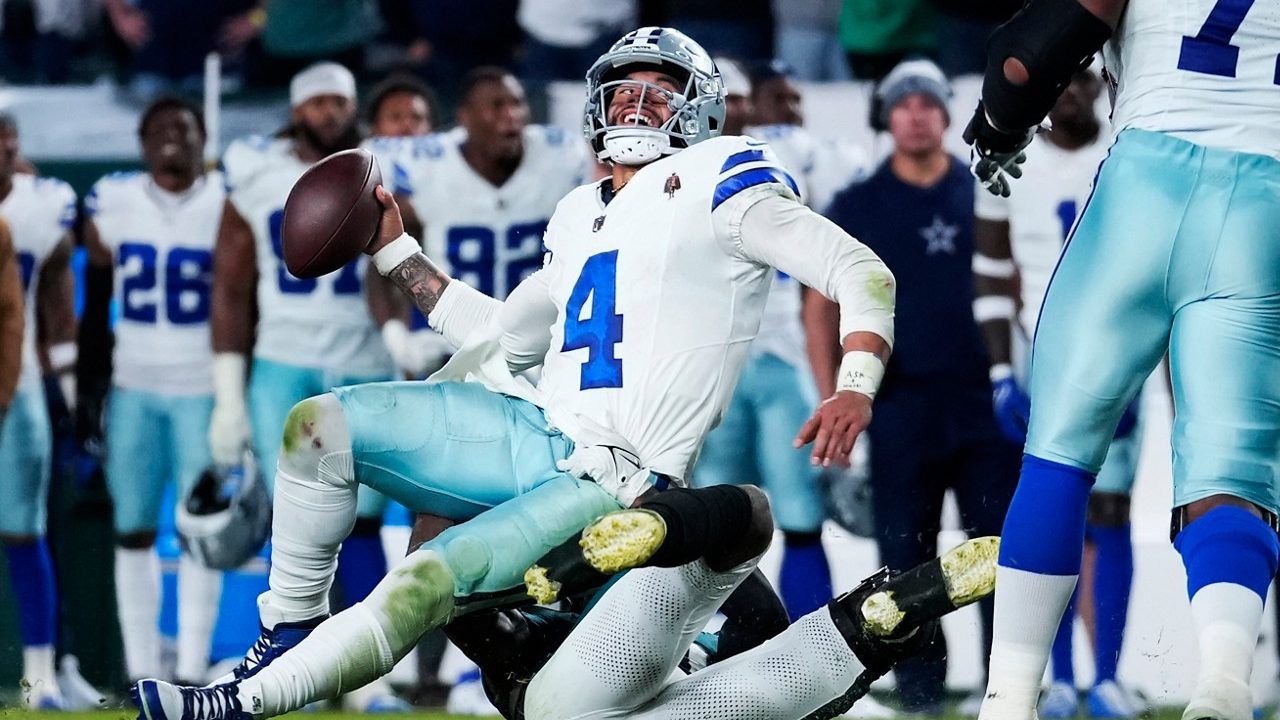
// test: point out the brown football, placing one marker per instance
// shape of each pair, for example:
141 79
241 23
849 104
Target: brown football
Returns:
332 213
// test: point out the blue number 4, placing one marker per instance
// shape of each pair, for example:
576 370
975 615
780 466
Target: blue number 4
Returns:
1210 52
600 332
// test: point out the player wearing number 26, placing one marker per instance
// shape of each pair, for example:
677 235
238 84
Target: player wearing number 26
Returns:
155 231
1176 251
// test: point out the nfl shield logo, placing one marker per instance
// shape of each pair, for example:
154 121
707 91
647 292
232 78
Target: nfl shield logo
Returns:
599 223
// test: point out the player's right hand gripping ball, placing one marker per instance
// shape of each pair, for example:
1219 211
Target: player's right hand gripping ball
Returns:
331 214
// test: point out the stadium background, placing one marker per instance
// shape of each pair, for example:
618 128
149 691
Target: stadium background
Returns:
85 127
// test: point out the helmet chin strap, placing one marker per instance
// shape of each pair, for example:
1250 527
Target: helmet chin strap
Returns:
635 146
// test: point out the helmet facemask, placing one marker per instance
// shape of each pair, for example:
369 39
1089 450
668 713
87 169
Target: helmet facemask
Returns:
695 104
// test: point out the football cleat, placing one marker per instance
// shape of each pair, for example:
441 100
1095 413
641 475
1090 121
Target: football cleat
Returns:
616 542
270 645
159 700
963 575
1220 698
1060 701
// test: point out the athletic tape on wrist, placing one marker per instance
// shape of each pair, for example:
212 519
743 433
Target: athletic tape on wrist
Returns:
1000 371
993 267
861 372
394 253
993 307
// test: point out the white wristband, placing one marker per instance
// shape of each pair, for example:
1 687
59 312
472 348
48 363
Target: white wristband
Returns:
229 371
993 307
63 356
1000 371
993 267
394 253
861 372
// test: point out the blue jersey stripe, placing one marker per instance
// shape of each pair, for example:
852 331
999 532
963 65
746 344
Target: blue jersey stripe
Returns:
739 158
750 178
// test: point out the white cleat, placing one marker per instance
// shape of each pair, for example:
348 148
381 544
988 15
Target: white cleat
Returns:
1220 698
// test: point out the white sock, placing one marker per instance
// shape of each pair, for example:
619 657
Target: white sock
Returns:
359 644
38 666
1029 607
1228 618
199 594
791 675
137 575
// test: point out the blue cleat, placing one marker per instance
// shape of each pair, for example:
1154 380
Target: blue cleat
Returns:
159 700
270 645
1108 700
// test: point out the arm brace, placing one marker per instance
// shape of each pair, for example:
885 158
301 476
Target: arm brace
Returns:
1054 39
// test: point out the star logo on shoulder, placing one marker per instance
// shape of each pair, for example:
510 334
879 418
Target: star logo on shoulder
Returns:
939 237
673 184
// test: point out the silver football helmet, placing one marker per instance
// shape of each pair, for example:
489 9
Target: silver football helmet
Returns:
697 107
224 519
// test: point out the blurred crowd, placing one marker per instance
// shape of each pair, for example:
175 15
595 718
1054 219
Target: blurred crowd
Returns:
156 46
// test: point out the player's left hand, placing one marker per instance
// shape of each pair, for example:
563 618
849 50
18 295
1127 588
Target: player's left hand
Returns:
834 426
613 468
997 156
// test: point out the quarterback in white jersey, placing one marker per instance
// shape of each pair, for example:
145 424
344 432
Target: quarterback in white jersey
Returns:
641 319
39 213
1175 252
155 232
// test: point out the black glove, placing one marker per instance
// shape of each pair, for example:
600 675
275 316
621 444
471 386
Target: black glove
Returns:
997 155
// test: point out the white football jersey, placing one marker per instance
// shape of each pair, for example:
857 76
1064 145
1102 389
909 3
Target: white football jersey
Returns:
1050 195
656 303
39 212
320 322
489 237
163 248
820 170
1201 70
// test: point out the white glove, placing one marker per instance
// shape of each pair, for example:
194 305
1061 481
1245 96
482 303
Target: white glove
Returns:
615 469
418 354
229 424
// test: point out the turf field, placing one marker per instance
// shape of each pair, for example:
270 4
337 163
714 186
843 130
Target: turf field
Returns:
123 714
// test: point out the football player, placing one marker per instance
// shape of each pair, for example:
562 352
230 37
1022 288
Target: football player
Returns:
483 194
11 321
640 319
158 227
39 213
401 106
1175 251
311 334
776 393
1018 240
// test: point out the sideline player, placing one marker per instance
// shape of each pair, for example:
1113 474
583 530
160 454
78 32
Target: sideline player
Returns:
39 212
401 106
752 444
311 334
158 228
483 194
1175 251
12 321
1019 239
640 319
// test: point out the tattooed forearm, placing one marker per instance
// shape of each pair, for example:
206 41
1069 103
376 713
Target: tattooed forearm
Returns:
422 281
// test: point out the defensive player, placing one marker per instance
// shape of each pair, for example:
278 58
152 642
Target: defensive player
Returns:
1018 243
1176 250
39 213
311 334
158 227
483 194
640 319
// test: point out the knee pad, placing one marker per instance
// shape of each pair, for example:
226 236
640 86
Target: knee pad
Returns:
316 441
1109 510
